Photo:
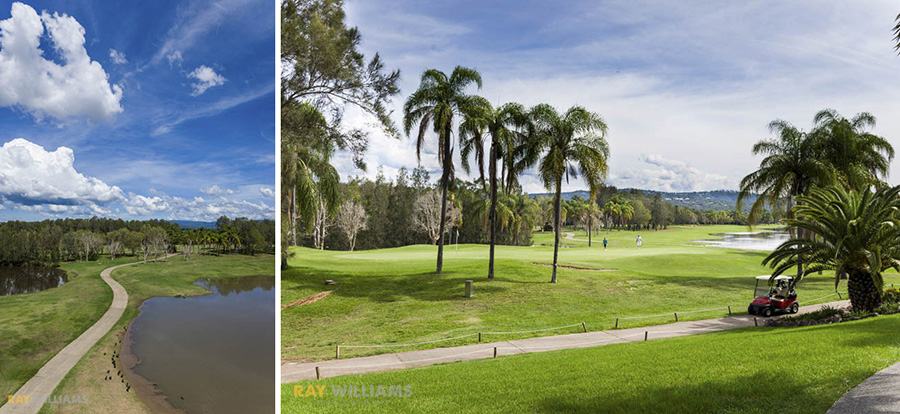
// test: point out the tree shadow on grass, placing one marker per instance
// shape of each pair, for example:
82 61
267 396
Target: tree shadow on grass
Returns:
762 392
449 286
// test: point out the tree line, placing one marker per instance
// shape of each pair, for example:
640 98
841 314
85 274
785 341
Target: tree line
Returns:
50 242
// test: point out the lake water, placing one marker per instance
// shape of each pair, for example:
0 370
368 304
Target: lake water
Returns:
213 353
757 240
15 280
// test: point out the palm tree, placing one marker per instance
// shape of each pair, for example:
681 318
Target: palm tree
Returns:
790 169
500 124
437 100
592 210
848 232
897 33
859 157
575 144
620 209
307 146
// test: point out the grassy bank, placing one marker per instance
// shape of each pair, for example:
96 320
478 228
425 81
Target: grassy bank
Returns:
144 282
752 370
393 295
35 326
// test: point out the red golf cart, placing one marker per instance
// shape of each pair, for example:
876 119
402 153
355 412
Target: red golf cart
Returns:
781 297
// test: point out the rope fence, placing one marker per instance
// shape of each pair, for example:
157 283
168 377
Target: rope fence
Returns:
583 325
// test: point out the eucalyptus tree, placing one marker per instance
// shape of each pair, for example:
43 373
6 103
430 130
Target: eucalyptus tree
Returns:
860 157
850 232
323 71
436 104
501 125
573 144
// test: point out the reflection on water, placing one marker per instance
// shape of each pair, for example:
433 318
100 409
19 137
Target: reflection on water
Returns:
213 353
766 240
15 280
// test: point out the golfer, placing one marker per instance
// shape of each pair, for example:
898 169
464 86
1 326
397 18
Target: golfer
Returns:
640 241
604 243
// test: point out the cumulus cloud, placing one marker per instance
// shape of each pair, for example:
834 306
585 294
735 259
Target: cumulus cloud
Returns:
117 57
30 175
664 174
205 78
267 191
215 190
196 208
77 88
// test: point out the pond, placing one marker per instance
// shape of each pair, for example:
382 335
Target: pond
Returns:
766 240
15 280
208 354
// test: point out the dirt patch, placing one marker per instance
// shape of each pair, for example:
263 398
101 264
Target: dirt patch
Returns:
307 300
595 269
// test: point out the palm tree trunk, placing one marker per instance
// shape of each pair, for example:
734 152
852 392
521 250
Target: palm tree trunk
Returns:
493 213
864 294
557 205
590 226
445 182
293 215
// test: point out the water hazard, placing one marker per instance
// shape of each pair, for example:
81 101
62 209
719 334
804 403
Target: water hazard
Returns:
766 240
15 280
213 353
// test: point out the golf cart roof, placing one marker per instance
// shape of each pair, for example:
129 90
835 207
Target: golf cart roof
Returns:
779 277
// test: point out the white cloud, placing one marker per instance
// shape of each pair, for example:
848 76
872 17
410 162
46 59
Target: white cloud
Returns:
117 57
206 78
267 191
138 205
670 175
215 190
77 88
175 57
30 175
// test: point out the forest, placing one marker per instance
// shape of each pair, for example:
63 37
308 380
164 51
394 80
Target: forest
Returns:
50 242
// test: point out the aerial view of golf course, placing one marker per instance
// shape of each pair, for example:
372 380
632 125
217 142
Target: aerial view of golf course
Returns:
137 207
601 207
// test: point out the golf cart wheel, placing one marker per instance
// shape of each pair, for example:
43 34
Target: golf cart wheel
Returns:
795 307
750 310
767 312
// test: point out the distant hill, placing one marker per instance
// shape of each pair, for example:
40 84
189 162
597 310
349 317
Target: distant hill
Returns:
701 200
188 224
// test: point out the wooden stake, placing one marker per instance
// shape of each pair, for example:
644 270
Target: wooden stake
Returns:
645 335
584 326
317 373
676 316
839 296
729 310
755 322
495 352
617 323
337 352
479 337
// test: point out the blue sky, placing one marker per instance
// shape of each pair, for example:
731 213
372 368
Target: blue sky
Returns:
685 87
154 109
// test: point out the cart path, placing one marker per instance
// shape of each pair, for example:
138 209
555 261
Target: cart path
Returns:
42 384
292 372
877 394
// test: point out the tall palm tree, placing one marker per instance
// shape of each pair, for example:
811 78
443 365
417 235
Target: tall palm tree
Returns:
859 157
437 101
790 169
849 232
574 143
501 124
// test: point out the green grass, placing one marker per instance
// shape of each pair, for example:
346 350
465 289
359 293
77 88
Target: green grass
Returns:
393 295
145 281
35 326
751 370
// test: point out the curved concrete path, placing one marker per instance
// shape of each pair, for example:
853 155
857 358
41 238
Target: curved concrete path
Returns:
880 393
292 372
42 384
